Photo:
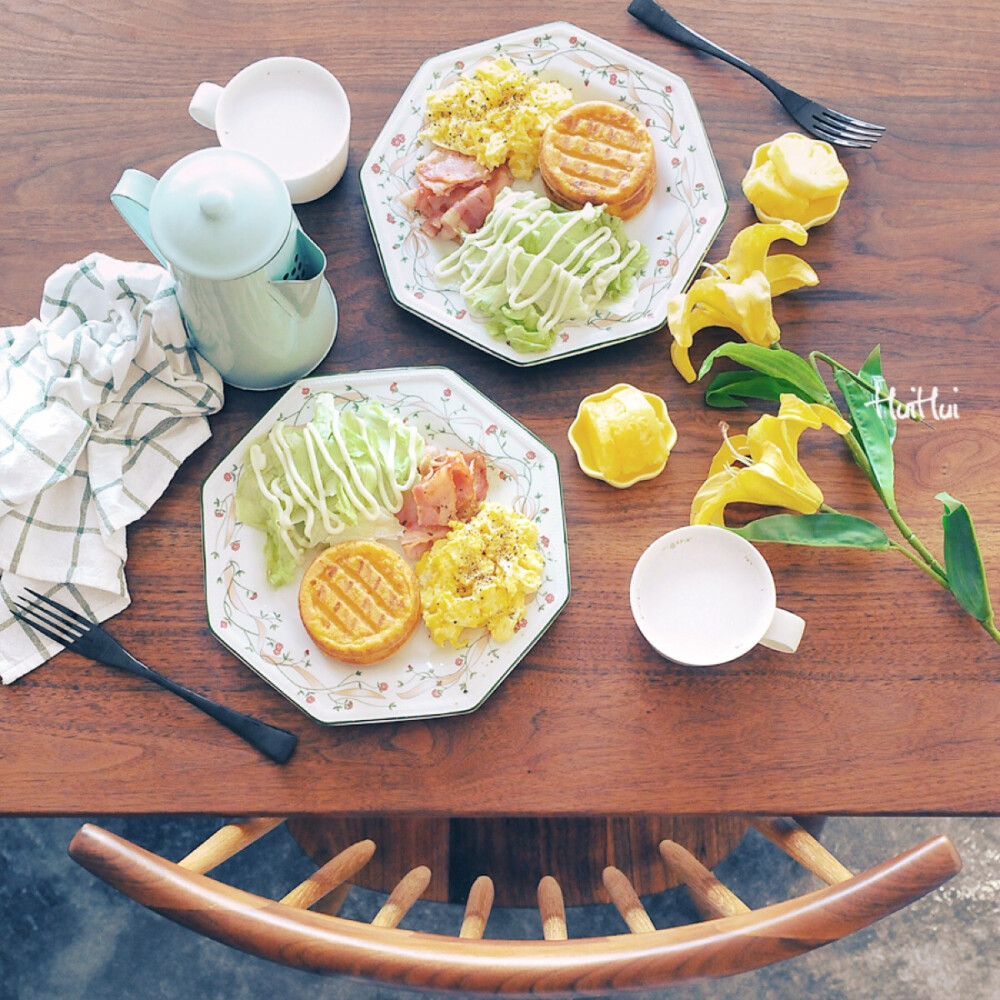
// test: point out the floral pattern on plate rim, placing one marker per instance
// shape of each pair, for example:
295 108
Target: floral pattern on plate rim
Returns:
261 625
677 228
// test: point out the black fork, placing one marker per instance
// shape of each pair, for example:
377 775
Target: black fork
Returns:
80 634
824 123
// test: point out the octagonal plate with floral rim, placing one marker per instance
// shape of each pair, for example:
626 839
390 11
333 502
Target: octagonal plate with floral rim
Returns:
261 624
677 227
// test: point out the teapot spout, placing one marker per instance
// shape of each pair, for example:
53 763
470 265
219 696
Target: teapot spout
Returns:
298 291
296 295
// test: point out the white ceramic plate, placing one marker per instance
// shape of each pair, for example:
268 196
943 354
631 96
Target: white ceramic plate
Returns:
677 227
261 625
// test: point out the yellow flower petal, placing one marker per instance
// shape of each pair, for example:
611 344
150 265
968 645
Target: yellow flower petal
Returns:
747 307
750 246
786 272
709 504
762 466
744 307
682 361
737 293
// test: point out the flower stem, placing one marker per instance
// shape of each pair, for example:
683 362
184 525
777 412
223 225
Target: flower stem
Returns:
918 546
901 408
859 456
917 561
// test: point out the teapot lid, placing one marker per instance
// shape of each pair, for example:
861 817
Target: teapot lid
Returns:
219 214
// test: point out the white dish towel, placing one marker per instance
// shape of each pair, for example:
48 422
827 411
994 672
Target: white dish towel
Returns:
101 399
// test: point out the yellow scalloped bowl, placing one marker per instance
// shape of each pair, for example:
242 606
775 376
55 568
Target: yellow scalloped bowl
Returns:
622 435
773 203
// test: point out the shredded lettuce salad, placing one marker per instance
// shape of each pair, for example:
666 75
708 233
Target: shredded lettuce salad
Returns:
340 476
534 266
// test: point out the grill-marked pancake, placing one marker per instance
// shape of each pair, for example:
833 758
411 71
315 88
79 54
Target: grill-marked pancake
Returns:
600 153
360 601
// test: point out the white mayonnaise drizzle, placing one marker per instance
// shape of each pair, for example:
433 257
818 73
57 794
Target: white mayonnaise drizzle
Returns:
306 490
583 276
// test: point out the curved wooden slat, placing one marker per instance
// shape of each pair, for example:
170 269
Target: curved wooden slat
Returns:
414 959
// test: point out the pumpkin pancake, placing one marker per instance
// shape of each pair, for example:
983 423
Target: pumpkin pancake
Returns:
359 601
600 153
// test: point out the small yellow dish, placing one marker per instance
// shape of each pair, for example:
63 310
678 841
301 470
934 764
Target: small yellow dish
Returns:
622 435
795 178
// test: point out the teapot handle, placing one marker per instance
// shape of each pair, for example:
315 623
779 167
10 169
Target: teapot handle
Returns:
131 196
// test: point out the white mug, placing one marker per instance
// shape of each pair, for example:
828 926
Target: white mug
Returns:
702 595
291 113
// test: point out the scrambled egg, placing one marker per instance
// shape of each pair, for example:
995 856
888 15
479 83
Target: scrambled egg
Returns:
478 575
498 114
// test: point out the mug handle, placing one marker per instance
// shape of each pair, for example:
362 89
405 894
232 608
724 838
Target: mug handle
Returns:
784 633
204 104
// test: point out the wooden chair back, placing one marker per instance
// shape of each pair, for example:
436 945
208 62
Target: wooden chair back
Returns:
732 938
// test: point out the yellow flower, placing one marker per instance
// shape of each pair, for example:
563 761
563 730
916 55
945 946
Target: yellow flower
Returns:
762 466
737 294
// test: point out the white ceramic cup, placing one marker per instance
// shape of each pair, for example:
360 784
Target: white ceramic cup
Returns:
291 113
702 595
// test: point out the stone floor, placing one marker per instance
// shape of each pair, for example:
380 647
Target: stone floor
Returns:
66 936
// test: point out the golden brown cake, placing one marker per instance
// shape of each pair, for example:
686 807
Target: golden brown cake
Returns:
359 601
600 153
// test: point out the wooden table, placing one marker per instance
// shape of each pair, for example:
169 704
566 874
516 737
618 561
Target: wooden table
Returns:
892 703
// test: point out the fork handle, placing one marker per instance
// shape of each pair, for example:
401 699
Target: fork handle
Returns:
654 16
276 743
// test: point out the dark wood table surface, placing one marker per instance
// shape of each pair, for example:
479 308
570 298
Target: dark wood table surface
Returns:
891 705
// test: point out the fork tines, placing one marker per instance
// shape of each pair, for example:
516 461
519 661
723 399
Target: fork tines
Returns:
59 623
843 130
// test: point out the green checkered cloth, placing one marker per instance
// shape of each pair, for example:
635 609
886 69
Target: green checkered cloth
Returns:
101 399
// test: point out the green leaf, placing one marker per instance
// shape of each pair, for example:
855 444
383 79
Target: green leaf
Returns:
870 431
829 530
872 370
776 362
731 389
963 561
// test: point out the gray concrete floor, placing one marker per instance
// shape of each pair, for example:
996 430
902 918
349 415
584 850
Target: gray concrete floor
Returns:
66 936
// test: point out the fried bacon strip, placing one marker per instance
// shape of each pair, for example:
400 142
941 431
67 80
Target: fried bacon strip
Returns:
454 193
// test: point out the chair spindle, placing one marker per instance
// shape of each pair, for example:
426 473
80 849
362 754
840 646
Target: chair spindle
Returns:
552 910
332 876
477 909
226 842
626 900
408 890
709 895
803 847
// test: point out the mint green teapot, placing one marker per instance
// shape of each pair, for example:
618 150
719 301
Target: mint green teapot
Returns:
249 282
